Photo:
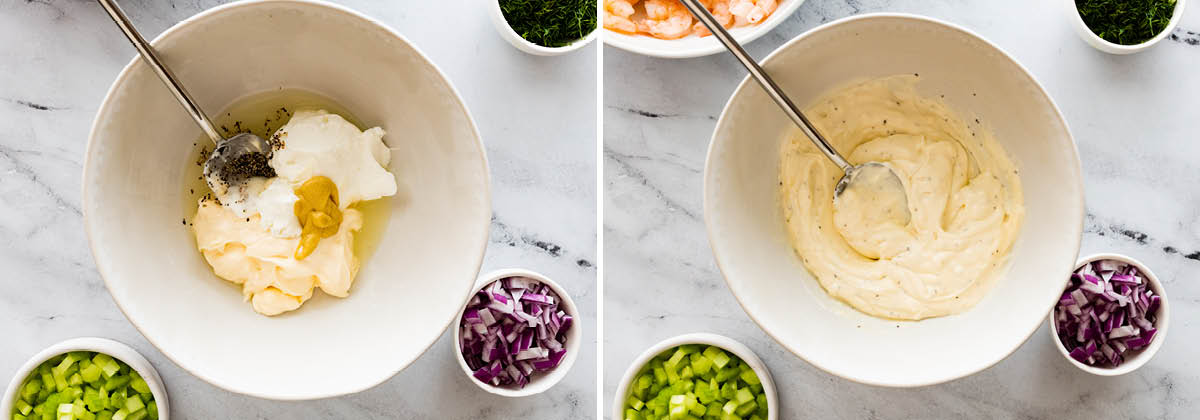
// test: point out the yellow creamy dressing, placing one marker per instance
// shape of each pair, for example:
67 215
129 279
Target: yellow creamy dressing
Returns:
962 191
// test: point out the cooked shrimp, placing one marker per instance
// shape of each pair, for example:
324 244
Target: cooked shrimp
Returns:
750 12
720 12
616 16
666 19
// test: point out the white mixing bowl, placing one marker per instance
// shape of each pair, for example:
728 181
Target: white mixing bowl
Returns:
746 226
404 296
695 46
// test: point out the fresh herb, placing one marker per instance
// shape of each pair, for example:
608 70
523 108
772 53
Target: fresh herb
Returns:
1126 22
550 23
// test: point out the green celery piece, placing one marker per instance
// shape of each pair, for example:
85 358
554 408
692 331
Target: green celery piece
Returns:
41 395
125 369
65 408
18 416
686 373
104 415
31 388
728 390
672 376
23 407
687 386
66 363
138 384
75 380
720 360
714 409
729 407
743 396
749 377
91 373
701 364
116 382
77 408
690 348
695 408
631 414
673 363
48 415
726 374
761 401
644 381
757 389
117 400
755 417
106 363
120 414
660 374
134 403
152 409
746 409
47 379
702 392
635 403
60 381
677 413
87 415
137 415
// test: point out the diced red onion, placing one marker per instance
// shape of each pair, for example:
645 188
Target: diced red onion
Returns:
512 329
1107 310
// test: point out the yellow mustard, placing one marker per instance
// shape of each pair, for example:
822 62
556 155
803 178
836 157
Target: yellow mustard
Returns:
318 212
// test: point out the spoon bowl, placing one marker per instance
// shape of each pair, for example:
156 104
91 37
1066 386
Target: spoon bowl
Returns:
239 157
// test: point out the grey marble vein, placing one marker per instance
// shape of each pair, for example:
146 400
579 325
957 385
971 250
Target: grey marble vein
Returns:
1134 120
57 59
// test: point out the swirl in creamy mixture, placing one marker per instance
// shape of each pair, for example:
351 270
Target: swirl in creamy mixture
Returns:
963 192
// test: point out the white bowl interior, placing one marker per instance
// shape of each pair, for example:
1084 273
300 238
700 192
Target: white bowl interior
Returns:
1134 359
723 342
747 232
693 46
405 294
542 382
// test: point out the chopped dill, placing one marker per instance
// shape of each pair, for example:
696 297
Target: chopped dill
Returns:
550 23
1126 22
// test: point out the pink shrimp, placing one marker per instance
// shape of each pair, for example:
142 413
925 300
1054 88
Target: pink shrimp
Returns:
666 19
720 11
750 12
617 16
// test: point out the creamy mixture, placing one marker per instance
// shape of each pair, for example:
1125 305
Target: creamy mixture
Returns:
282 237
962 190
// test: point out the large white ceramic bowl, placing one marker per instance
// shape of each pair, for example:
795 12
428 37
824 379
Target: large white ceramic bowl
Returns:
746 226
694 46
405 295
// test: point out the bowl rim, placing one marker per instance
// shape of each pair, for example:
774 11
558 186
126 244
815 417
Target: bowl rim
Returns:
1107 46
113 348
573 347
708 222
1144 355
105 271
506 31
757 31
725 343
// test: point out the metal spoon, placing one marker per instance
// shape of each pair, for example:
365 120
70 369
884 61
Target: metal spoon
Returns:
887 184
242 156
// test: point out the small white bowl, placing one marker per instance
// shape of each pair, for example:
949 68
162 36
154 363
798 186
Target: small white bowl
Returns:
1101 44
112 348
513 38
1134 359
748 236
723 342
539 383
694 46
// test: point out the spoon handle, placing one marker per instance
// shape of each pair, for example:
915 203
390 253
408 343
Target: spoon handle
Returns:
767 84
164 73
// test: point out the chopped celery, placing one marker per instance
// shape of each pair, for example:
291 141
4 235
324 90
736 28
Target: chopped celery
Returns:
75 380
138 384
686 373
104 415
744 396
91 373
749 377
152 409
701 364
116 382
23 407
672 363
694 382
30 389
746 409
137 415
134 403
635 403
120 414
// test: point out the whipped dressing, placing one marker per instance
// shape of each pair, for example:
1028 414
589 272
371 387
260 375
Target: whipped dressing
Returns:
963 195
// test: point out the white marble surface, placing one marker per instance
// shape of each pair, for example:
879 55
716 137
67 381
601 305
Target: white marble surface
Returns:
538 120
1134 119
